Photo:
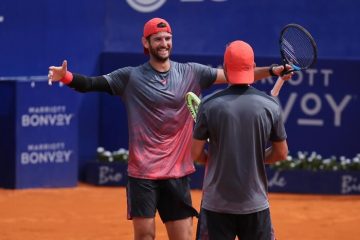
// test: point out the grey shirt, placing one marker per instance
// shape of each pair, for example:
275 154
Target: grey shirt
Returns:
160 125
239 121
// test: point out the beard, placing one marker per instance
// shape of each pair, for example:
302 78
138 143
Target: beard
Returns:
154 53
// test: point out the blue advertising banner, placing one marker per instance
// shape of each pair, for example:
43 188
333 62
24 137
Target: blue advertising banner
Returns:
106 174
115 174
314 182
45 133
321 108
286 181
320 105
46 129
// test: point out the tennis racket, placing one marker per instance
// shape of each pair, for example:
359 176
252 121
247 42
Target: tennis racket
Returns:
192 103
298 49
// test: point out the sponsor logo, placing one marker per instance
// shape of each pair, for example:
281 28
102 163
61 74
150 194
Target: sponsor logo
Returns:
46 116
109 175
350 184
145 5
36 120
276 180
45 153
313 104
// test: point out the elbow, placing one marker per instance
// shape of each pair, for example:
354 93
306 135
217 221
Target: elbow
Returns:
194 154
280 150
199 156
283 157
198 153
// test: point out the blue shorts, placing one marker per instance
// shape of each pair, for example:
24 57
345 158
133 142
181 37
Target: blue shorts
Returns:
254 226
171 197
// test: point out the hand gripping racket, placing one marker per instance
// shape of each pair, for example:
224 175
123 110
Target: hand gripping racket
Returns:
298 49
192 103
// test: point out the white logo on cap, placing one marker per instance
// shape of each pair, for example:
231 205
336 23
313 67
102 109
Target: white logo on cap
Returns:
145 5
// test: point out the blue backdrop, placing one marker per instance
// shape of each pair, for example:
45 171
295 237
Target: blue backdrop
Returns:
206 26
36 34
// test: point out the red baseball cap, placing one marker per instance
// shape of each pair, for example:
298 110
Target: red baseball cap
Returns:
239 63
153 26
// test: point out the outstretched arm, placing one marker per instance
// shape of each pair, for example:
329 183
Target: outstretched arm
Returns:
259 73
78 82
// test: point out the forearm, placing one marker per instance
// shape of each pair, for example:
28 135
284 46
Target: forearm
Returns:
198 153
261 73
83 83
202 158
272 156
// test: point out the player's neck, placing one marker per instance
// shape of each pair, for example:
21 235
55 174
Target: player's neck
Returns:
160 66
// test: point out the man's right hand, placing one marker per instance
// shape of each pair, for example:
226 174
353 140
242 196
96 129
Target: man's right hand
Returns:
57 73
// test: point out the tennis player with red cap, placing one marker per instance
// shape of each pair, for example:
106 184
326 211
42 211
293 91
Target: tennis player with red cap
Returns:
160 128
239 121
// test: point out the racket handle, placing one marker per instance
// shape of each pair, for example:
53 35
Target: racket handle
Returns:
276 89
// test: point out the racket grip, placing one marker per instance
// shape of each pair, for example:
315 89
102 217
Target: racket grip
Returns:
276 89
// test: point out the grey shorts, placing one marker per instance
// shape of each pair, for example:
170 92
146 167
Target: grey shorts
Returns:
254 226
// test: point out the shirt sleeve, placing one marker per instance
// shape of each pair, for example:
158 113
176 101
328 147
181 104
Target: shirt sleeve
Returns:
206 75
118 80
278 132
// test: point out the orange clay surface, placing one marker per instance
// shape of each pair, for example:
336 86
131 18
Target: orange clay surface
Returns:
99 213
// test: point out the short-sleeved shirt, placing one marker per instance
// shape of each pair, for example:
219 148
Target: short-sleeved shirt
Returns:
160 126
239 121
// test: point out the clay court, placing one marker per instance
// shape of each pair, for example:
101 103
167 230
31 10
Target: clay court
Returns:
87 212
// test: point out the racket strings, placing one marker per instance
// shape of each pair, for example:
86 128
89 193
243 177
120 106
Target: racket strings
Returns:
298 48
192 102
193 108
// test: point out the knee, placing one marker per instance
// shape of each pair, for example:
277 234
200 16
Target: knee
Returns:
144 235
144 229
